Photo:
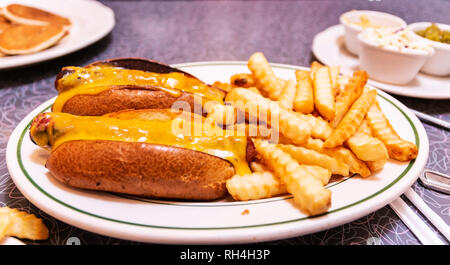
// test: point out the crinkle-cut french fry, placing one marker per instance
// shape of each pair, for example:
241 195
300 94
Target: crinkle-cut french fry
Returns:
375 166
311 157
263 73
356 166
288 95
334 74
283 140
314 144
342 81
364 128
242 80
255 186
323 93
259 87
224 86
321 129
367 148
314 67
352 120
258 167
398 148
289 124
221 114
352 90
254 90
301 181
304 96
251 130
24 225
340 153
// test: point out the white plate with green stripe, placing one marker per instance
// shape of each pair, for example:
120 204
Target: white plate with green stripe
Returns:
218 222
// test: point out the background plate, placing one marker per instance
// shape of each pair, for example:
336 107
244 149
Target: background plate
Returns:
159 221
329 48
91 21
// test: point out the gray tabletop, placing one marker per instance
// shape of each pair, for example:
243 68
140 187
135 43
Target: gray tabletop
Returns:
189 31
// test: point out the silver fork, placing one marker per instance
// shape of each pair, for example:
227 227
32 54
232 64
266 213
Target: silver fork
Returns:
435 180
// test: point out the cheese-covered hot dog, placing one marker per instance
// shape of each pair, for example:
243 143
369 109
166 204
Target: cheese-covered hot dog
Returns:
128 83
154 153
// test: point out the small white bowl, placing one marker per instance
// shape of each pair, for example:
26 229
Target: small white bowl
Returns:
439 64
388 65
352 30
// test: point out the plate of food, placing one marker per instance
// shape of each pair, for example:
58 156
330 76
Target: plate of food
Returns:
36 31
139 150
401 61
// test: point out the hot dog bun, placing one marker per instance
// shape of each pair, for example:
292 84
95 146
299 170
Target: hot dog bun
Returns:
141 169
121 98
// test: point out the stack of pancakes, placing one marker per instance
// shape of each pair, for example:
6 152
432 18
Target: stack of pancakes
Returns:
25 29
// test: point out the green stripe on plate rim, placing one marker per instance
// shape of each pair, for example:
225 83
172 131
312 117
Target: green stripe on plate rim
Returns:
417 141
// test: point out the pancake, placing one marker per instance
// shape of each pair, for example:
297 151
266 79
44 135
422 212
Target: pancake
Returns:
4 23
23 39
33 16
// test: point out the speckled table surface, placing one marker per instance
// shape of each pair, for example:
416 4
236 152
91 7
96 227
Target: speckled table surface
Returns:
189 31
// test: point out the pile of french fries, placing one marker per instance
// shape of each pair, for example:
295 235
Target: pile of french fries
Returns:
327 124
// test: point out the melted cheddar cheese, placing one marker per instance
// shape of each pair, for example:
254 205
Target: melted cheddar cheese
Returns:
96 79
179 132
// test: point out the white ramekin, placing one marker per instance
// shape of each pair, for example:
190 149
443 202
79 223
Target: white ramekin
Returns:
377 18
388 65
439 63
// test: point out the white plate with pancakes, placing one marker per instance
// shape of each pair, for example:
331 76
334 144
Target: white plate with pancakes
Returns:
222 221
76 24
